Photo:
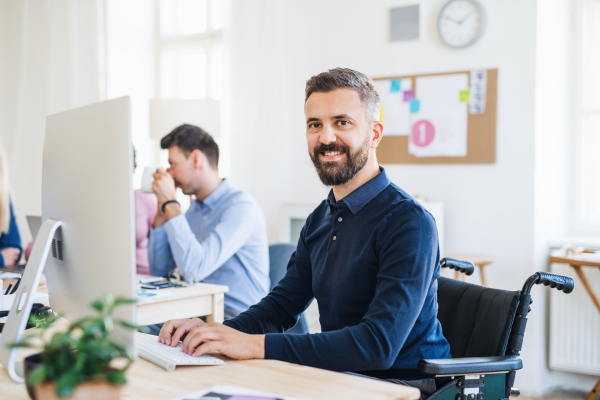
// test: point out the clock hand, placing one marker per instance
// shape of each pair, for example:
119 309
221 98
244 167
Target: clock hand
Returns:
464 19
450 19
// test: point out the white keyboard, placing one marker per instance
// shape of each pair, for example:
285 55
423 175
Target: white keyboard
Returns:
169 357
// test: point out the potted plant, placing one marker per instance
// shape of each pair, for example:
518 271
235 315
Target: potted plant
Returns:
81 362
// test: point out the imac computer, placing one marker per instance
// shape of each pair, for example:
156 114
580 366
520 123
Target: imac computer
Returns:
86 244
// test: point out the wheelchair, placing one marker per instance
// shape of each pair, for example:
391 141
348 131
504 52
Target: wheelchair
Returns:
485 329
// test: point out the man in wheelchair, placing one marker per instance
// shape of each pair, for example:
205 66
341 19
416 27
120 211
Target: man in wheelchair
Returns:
368 254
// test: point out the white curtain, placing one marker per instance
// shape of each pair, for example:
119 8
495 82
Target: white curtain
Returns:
52 58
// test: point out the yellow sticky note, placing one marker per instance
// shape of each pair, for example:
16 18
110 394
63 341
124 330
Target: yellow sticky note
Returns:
381 112
464 96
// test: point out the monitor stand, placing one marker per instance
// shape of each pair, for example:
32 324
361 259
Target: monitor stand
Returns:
19 313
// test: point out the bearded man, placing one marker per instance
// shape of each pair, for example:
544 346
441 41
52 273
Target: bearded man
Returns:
368 253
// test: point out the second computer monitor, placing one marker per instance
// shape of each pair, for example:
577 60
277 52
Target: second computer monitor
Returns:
87 171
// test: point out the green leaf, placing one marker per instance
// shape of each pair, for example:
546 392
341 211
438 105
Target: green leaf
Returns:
108 323
97 305
66 383
116 377
124 300
109 302
22 343
37 375
128 325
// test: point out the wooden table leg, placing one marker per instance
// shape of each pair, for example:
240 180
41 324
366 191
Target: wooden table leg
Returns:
484 280
586 285
217 309
594 392
457 275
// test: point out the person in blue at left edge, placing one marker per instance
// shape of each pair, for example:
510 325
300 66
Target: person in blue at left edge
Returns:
368 253
10 239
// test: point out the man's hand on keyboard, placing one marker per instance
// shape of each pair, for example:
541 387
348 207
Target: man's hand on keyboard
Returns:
226 340
175 330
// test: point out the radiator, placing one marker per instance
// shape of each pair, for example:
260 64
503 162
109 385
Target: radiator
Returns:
575 325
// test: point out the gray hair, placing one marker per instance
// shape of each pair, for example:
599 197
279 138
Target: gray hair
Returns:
340 78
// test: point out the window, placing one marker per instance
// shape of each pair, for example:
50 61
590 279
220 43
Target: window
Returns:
190 59
190 49
587 117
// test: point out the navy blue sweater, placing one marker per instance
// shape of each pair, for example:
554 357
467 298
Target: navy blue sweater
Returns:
12 238
371 261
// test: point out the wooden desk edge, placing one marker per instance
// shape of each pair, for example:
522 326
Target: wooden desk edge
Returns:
148 381
573 261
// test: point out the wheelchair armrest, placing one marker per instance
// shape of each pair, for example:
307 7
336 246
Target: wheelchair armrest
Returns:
470 365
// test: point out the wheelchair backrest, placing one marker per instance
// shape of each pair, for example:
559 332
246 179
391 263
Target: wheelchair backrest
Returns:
476 320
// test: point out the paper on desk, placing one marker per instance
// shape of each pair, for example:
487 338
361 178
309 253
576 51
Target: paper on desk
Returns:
226 392
395 95
439 127
9 275
146 293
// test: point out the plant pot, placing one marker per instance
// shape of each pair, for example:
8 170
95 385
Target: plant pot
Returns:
83 391
29 364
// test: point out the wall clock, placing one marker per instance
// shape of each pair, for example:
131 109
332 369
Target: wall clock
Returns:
461 23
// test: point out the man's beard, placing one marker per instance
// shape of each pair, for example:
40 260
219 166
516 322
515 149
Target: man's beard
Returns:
335 173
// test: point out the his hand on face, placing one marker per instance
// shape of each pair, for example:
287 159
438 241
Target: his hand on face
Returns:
163 187
226 340
175 330
11 256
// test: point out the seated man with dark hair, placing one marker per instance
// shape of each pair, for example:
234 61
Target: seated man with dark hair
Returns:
222 238
368 254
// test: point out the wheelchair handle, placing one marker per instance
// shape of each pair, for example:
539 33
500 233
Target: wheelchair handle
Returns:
465 267
560 282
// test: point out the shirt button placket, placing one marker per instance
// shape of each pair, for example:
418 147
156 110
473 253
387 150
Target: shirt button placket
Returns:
335 228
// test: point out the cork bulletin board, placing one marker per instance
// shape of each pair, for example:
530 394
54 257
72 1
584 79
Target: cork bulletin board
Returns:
481 131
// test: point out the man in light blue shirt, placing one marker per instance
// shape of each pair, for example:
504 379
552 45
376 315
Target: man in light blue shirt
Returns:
222 238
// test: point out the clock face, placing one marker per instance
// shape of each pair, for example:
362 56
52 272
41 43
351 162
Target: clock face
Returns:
460 23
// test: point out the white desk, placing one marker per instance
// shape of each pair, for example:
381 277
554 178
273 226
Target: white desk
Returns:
195 300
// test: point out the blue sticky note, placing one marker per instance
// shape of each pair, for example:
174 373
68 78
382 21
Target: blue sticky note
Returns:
395 87
415 105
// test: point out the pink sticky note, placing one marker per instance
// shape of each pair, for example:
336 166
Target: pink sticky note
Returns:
409 94
423 133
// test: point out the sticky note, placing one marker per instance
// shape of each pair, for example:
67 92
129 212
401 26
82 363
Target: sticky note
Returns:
381 112
409 94
415 105
395 86
464 96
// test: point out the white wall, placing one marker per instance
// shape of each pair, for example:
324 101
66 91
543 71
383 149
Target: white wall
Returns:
554 142
490 209
48 63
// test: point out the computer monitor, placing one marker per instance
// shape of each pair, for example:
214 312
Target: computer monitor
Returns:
87 241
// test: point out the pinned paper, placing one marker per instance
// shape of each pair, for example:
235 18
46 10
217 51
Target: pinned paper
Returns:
381 112
464 95
478 91
409 94
394 113
415 105
395 86
439 127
